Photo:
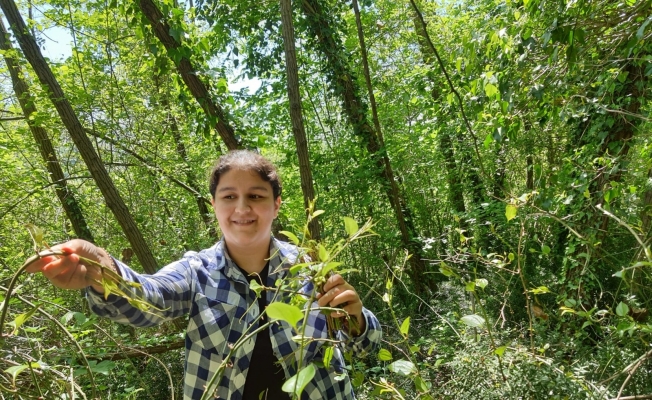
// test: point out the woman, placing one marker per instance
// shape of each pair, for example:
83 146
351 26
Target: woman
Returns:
213 287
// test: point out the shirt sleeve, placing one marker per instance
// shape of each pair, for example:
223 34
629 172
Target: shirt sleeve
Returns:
368 341
168 292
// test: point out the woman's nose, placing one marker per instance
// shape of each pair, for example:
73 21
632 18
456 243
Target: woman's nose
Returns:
243 204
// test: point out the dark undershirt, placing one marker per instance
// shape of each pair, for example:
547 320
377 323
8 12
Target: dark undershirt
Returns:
265 377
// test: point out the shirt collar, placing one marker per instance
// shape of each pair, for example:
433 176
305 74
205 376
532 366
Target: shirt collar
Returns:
282 256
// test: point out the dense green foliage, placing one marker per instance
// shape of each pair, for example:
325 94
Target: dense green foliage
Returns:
520 142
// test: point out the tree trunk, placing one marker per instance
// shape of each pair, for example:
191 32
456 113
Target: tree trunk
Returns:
189 75
111 195
455 192
68 201
345 82
529 171
296 114
623 131
646 213
499 173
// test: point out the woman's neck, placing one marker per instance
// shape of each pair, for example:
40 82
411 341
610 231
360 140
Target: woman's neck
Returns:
251 260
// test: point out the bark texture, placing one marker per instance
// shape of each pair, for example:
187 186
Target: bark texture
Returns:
296 114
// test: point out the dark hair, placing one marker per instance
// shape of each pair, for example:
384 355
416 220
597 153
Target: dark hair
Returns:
245 160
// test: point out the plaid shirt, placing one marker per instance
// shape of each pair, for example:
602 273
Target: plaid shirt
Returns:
211 288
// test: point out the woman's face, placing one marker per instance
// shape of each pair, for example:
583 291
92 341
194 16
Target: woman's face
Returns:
245 207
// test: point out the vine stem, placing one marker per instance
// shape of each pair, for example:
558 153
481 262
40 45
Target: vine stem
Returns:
630 374
14 279
646 249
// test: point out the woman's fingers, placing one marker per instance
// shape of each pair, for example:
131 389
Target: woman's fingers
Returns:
339 293
72 269
37 266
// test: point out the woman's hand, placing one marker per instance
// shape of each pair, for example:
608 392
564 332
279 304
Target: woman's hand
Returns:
71 271
339 293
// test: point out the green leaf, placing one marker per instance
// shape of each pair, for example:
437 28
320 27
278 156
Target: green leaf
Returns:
350 226
487 140
317 213
420 384
470 286
328 268
285 312
298 382
473 320
37 235
293 238
402 367
80 318
405 327
500 351
323 253
540 290
22 318
384 355
510 212
622 309
297 267
444 269
481 283
358 378
490 90
103 368
176 33
641 31
570 303
256 287
17 369
328 355
545 249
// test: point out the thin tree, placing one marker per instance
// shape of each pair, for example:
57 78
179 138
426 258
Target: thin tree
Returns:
345 82
296 114
67 198
99 173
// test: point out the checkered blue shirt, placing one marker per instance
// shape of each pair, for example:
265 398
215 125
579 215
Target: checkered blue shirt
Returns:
212 289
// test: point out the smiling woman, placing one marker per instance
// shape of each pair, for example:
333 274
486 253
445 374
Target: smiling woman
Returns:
246 198
220 289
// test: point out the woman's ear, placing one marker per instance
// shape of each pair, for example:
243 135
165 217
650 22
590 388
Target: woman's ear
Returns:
277 206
